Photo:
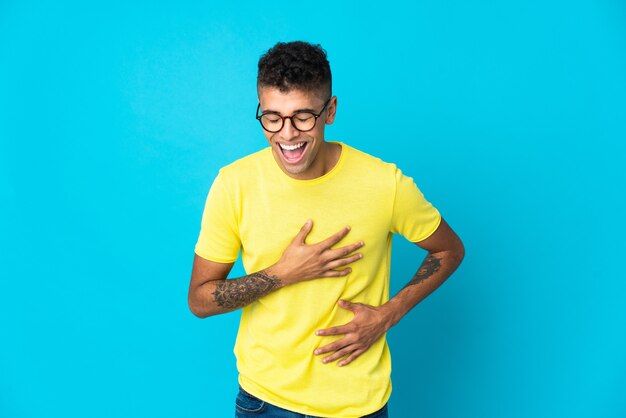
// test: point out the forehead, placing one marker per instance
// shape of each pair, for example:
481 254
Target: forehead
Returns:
272 99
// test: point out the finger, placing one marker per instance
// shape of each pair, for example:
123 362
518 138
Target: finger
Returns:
304 231
343 261
335 238
342 252
338 330
336 273
351 358
334 346
348 305
340 353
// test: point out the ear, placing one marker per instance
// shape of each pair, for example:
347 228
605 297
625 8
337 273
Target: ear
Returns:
331 111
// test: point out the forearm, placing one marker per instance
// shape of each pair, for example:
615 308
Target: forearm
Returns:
435 269
210 293
370 322
221 296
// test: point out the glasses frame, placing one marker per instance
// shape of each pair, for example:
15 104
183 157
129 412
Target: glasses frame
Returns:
282 125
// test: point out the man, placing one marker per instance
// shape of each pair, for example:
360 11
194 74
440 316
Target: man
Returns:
313 221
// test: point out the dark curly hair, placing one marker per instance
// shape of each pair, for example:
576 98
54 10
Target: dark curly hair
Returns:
296 66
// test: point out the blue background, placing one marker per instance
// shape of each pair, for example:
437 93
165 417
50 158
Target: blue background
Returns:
115 117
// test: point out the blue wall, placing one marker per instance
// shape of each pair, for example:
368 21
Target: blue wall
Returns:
115 118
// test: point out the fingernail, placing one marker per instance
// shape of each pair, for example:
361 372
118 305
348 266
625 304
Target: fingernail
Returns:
348 227
317 352
317 333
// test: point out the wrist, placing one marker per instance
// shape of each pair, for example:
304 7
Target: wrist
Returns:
277 270
391 314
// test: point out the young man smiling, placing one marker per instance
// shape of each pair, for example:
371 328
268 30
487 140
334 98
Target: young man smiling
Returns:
313 220
303 155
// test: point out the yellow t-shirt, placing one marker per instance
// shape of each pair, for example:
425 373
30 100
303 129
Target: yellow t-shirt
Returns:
253 206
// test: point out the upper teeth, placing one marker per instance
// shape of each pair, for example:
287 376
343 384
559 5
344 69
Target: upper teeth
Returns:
291 147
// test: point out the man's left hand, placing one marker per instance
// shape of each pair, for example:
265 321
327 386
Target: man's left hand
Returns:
367 326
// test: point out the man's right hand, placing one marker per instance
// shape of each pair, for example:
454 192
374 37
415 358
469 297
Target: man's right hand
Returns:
302 261
210 293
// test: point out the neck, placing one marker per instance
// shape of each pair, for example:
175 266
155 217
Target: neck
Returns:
326 159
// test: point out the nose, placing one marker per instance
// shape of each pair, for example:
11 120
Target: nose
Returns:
289 131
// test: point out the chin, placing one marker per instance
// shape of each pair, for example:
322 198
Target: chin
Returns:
295 170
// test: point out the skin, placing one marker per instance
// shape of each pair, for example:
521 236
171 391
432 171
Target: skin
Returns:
445 253
320 156
210 292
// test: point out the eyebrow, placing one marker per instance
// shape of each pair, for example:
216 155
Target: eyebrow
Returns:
274 112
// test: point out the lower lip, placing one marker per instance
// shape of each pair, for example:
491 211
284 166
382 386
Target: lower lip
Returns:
294 160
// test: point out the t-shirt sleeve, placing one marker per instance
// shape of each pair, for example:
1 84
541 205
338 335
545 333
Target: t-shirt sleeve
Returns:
219 237
413 216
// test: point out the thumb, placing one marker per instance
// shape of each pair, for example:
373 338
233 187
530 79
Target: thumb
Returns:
348 305
304 231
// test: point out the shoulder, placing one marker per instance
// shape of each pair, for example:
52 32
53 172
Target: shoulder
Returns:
255 159
247 166
368 163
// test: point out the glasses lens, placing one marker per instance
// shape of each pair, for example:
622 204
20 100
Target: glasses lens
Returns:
272 123
303 121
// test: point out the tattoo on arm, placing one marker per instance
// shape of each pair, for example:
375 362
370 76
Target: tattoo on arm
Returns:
430 265
240 292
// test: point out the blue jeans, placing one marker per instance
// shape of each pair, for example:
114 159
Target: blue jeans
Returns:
248 406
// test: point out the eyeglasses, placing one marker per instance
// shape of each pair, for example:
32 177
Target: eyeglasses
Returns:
303 121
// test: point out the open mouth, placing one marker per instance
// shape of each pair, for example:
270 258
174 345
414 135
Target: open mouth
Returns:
292 153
